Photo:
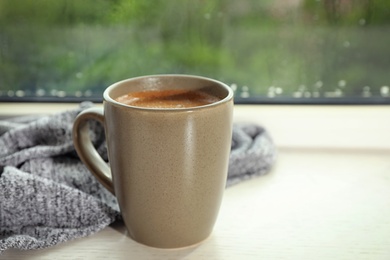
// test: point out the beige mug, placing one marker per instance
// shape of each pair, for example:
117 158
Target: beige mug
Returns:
167 167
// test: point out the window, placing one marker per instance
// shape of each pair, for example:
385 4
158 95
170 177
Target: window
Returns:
283 51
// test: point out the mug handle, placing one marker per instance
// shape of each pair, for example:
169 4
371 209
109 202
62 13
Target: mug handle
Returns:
85 149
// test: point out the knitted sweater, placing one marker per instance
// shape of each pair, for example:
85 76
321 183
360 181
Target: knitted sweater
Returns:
47 196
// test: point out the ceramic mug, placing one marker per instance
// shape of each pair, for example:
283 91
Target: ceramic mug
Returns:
167 167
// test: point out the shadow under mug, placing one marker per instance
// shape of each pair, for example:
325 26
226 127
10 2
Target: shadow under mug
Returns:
167 167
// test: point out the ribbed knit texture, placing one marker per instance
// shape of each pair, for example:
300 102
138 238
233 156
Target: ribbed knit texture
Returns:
47 196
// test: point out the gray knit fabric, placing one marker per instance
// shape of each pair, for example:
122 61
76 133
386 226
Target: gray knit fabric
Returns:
47 196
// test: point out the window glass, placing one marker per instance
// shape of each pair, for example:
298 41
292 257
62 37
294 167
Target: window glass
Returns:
267 51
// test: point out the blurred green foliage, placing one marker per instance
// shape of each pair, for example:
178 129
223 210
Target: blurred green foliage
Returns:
348 12
306 46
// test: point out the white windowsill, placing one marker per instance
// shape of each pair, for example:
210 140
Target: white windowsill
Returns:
327 197
303 126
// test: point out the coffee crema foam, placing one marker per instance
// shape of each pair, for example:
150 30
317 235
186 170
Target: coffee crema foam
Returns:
175 98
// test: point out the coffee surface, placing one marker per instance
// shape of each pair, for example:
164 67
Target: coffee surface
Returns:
177 98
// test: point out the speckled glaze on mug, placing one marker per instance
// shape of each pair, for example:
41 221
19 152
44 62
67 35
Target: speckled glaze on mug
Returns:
168 167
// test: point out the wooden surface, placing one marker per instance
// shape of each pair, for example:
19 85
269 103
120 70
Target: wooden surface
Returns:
329 201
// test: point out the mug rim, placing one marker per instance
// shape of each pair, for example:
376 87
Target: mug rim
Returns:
109 99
